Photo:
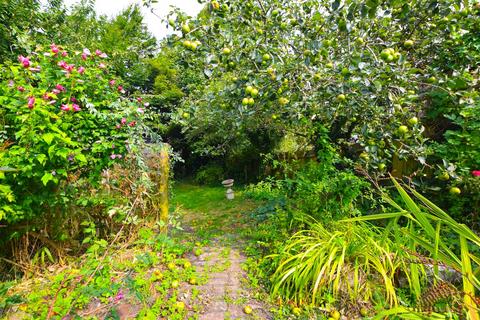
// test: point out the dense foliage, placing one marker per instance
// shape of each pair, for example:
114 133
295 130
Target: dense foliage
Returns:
67 117
359 121
395 86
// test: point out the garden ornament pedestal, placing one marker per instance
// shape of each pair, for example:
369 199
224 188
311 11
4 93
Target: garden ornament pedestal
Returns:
229 184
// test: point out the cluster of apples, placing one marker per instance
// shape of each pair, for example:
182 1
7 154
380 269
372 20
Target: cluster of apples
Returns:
192 45
253 92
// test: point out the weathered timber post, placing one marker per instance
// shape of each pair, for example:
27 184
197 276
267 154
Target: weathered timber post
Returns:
164 172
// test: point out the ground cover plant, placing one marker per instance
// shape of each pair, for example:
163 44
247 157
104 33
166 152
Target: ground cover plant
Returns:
351 130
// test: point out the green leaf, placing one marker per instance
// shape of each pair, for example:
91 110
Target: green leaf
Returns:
81 157
48 138
47 177
42 159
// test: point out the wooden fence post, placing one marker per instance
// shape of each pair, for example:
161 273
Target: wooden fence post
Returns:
164 172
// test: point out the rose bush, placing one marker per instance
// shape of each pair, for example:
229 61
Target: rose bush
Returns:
64 116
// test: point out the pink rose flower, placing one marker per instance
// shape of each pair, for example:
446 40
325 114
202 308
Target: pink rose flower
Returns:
111 82
69 68
98 52
64 53
62 64
31 102
54 48
65 107
21 89
76 107
102 65
73 99
476 173
123 121
56 91
60 87
81 70
84 56
24 61
132 123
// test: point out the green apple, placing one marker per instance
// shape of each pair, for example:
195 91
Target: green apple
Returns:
266 57
226 51
408 44
215 5
335 314
185 28
296 311
455 190
384 54
283 101
364 156
413 121
341 97
247 309
251 101
254 92
444 176
364 312
245 101
180 305
403 129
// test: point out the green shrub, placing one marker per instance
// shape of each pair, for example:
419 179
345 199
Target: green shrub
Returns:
358 261
268 189
209 175
325 193
352 260
65 119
